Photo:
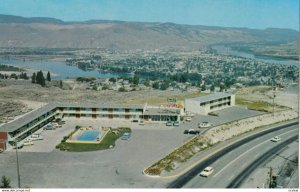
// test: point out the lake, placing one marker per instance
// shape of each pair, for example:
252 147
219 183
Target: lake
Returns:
227 51
57 67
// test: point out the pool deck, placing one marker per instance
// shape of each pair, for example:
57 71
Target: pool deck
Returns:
82 129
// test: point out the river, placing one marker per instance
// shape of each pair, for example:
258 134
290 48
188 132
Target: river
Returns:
58 68
221 49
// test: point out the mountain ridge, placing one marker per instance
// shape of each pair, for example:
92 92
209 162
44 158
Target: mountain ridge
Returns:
45 32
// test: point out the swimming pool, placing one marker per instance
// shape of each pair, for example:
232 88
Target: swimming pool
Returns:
89 135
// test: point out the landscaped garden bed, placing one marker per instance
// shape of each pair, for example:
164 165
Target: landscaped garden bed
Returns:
107 142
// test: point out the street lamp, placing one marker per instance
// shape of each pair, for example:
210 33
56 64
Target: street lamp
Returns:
18 168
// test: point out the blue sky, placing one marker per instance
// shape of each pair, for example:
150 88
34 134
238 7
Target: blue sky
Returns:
230 13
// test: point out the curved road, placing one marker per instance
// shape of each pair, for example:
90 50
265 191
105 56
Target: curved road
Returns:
229 162
237 181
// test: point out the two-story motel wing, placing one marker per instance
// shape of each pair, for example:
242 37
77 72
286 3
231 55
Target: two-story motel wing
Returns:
209 103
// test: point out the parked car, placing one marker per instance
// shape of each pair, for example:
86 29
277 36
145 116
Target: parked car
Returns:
61 122
191 131
188 119
49 127
207 172
141 122
276 139
54 125
28 142
169 123
194 132
176 123
36 136
126 136
204 124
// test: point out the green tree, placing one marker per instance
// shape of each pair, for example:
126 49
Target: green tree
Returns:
183 78
48 76
13 75
112 79
136 80
147 83
212 88
164 85
222 87
95 88
40 79
5 182
61 84
155 85
105 87
33 78
203 87
122 89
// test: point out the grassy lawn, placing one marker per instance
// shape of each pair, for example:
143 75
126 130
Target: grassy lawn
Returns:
254 89
109 139
258 105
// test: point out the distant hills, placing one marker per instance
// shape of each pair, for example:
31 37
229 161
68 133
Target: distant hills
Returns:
33 32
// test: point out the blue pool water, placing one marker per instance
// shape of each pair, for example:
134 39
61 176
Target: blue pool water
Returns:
89 135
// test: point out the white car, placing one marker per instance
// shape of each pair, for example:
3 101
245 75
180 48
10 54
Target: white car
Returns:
36 136
28 142
275 139
204 125
188 119
207 171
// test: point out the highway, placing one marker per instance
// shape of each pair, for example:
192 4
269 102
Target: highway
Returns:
234 164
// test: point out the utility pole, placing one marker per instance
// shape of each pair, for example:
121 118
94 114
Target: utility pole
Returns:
274 90
273 100
18 168
270 175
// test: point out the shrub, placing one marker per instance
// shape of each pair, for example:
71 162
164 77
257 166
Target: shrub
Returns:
153 171
77 127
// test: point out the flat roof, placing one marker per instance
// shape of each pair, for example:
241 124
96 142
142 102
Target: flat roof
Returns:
162 111
211 97
98 105
26 118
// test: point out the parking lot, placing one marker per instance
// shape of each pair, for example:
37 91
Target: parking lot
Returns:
118 167
41 165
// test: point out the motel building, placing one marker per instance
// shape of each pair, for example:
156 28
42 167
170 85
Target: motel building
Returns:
21 128
26 125
209 103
